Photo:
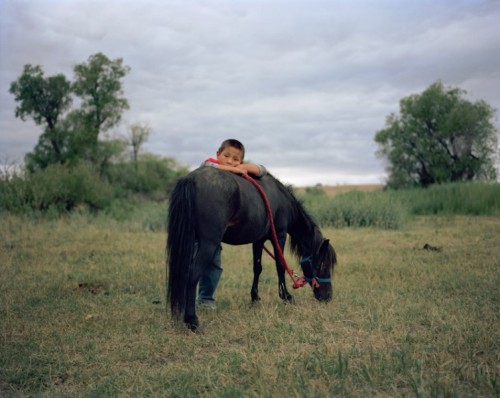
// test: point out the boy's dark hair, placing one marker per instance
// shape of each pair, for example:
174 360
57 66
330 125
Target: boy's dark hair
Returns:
235 144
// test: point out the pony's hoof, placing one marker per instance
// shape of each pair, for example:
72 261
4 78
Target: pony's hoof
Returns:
192 324
194 328
255 298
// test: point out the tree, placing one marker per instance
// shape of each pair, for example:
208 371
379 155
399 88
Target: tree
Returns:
98 84
439 137
138 135
68 137
44 100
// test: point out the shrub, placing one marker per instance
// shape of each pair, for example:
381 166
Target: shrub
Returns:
64 187
316 190
57 188
12 190
151 176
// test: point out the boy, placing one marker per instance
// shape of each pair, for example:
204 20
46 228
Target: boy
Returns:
229 158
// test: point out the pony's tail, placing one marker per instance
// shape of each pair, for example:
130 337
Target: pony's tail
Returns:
180 244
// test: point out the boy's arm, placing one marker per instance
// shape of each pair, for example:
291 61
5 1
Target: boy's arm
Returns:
232 169
244 168
251 168
257 170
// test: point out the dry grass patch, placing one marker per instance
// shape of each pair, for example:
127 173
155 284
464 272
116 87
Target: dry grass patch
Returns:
333 190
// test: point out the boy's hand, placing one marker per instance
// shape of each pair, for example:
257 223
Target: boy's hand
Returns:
241 171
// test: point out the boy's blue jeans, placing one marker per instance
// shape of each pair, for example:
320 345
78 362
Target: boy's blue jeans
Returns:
210 276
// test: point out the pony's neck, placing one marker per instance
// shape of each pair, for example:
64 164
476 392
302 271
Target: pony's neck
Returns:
303 233
302 229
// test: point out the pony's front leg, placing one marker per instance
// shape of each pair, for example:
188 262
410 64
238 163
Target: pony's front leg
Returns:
284 294
257 270
280 268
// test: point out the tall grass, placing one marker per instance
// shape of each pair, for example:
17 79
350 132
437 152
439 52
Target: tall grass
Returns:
449 199
391 209
357 209
137 214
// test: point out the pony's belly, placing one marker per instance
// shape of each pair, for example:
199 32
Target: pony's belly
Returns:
242 236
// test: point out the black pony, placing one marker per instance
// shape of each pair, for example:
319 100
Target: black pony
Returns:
210 206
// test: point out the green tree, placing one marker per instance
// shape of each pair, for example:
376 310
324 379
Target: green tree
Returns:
54 146
44 99
98 84
439 137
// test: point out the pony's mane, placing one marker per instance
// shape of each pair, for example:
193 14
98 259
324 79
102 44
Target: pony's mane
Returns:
299 211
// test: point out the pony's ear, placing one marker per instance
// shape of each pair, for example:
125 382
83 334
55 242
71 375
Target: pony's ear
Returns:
324 245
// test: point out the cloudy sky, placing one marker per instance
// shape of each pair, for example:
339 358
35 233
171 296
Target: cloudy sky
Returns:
304 84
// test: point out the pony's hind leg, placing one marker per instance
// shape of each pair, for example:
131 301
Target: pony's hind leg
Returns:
257 270
190 317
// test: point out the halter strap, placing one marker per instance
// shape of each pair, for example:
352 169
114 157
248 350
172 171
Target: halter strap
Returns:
308 259
320 280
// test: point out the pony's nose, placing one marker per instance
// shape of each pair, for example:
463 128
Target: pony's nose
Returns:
323 295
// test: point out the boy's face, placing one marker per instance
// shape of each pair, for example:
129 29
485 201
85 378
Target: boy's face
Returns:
230 156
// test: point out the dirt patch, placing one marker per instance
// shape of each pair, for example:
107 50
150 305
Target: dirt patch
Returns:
94 288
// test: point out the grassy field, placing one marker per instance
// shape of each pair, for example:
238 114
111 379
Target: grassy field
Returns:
82 313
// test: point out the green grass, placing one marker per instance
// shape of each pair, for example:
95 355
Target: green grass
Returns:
78 316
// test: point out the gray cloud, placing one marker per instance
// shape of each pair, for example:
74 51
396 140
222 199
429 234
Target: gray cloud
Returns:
305 85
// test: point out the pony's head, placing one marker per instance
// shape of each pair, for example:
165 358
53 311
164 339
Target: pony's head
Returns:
318 270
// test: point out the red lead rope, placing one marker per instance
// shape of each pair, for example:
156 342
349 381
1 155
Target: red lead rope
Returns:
297 282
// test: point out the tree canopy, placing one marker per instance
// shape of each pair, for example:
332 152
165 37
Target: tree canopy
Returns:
44 99
439 137
71 135
98 84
